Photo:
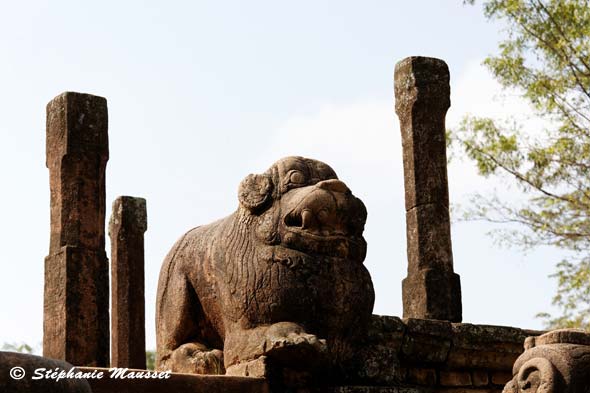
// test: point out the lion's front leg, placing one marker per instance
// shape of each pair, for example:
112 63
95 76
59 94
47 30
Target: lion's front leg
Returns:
284 343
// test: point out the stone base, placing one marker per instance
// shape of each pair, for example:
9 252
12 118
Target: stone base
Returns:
257 368
432 294
279 378
76 307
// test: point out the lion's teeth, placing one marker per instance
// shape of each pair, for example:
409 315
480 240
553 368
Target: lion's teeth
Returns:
306 219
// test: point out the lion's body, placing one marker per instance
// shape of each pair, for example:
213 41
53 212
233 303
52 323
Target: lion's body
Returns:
235 275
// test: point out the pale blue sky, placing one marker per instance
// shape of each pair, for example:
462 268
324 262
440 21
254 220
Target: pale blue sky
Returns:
202 93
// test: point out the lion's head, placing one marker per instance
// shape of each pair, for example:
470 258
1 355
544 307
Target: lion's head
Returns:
302 206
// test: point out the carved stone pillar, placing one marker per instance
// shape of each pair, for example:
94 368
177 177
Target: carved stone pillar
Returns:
76 296
422 96
126 228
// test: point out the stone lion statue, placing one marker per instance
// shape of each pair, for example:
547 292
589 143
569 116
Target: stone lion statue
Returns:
281 278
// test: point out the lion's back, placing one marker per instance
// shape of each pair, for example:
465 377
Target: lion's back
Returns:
185 262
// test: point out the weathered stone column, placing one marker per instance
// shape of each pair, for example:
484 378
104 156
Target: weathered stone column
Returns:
76 298
422 96
126 228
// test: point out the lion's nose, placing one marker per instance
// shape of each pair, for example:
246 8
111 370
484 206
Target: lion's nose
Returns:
333 185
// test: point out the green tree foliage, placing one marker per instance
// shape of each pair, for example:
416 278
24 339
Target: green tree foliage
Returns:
14 347
545 56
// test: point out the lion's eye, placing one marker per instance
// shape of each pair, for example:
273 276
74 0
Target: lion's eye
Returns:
296 177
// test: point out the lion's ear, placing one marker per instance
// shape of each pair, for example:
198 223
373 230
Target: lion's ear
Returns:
255 191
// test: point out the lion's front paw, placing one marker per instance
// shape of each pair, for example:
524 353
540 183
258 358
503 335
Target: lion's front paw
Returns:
195 358
287 339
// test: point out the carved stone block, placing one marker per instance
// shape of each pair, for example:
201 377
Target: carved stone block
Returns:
78 305
556 362
432 294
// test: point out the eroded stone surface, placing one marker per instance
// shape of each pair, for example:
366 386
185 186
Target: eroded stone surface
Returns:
76 155
426 341
282 277
422 97
76 297
377 361
556 362
485 346
426 353
432 292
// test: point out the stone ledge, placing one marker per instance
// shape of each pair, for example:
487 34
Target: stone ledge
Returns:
177 383
486 346
397 350
374 389
426 341
468 390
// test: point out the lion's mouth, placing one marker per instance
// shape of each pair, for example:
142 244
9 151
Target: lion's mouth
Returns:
315 226
295 220
301 232
324 220
324 237
333 246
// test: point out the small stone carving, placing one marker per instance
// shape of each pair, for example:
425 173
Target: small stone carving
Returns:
556 362
281 279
